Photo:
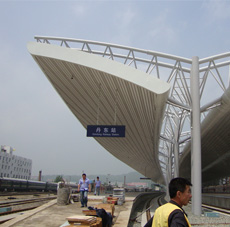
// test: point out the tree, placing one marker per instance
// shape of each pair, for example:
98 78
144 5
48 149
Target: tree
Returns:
58 178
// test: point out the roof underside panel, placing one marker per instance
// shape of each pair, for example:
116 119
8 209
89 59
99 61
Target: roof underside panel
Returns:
99 90
215 146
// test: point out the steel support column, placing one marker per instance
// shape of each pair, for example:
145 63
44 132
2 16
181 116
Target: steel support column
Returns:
169 172
176 147
196 139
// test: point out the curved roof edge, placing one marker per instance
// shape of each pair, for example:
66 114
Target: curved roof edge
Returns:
99 63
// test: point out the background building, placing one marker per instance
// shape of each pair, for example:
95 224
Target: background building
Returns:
14 166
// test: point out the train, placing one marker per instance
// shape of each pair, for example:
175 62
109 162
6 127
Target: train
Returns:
14 184
217 189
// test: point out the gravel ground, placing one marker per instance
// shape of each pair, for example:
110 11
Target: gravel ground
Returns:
221 221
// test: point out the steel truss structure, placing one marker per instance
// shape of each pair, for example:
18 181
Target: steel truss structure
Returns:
176 134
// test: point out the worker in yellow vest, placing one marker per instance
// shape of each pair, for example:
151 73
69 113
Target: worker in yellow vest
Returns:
172 214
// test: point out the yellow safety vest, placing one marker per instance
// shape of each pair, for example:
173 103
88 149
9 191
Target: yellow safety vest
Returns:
162 213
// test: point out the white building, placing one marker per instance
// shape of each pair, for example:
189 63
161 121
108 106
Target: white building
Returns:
14 166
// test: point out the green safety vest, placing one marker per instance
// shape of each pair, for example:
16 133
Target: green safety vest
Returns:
161 215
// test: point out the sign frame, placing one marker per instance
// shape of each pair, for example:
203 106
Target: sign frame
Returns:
111 131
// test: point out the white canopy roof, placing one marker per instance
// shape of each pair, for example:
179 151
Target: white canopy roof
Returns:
98 90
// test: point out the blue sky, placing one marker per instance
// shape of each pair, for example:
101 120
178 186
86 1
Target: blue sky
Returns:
34 119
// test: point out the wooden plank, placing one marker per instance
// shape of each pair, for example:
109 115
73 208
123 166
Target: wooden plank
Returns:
90 212
98 223
81 219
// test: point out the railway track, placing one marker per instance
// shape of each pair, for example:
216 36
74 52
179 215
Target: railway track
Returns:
218 209
19 206
24 201
24 193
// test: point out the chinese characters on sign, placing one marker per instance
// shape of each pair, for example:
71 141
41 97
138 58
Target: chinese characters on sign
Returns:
105 131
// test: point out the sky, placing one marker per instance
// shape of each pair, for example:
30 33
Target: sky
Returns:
35 121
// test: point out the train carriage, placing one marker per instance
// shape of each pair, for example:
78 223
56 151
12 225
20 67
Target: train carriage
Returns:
36 185
51 187
13 184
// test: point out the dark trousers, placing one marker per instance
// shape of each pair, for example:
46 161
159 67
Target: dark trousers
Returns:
84 198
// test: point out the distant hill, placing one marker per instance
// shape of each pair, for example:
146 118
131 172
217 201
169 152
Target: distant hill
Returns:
129 177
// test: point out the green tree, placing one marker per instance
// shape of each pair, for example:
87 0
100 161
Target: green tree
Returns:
58 178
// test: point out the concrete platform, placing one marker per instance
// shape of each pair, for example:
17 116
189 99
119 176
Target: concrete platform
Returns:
52 215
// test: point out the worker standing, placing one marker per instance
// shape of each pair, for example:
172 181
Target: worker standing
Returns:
172 214
84 187
97 186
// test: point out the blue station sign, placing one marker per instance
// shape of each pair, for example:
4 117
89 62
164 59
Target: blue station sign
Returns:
105 131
